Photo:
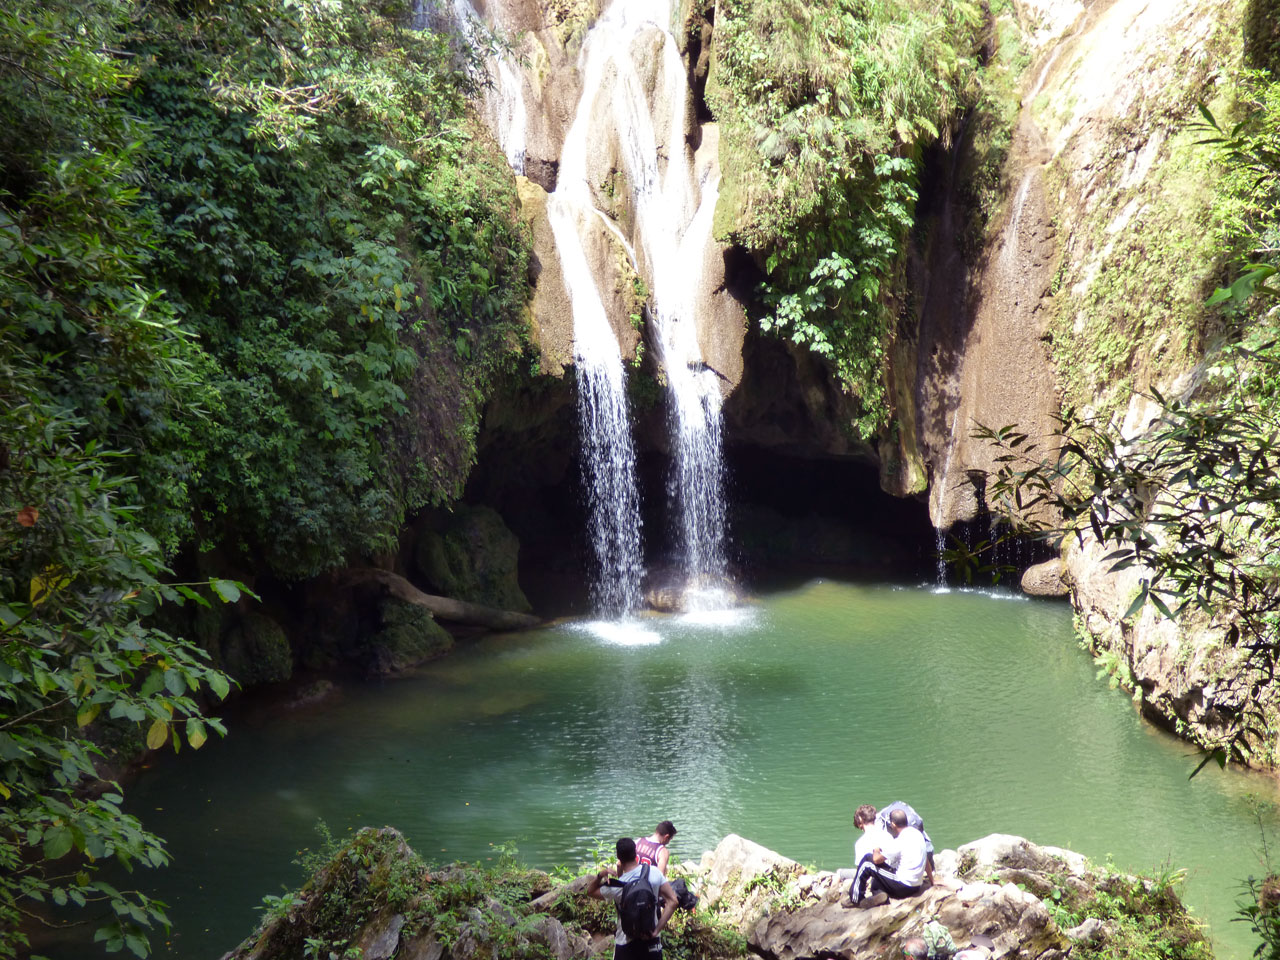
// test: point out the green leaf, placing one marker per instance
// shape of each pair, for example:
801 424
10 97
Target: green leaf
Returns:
157 735
219 684
196 735
57 842
226 589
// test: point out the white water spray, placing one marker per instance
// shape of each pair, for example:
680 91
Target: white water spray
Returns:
672 224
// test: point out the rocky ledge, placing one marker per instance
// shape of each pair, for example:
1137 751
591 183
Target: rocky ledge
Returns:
376 899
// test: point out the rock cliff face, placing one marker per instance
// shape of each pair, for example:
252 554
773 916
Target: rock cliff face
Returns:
1129 194
375 895
1090 289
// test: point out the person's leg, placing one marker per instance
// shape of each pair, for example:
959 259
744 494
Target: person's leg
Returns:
866 869
895 888
635 950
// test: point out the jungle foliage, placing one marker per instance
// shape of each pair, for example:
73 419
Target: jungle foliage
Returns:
257 264
88 351
824 109
342 236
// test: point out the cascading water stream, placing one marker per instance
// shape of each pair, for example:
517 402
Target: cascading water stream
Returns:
504 103
671 230
608 453
673 224
695 393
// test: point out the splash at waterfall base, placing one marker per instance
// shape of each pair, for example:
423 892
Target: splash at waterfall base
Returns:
377 897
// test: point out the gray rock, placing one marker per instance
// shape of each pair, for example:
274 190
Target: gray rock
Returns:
1092 930
422 947
379 939
788 914
1048 579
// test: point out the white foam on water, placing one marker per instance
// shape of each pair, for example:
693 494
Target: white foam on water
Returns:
724 618
621 633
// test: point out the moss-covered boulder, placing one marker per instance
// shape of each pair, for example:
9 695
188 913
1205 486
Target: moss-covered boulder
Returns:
471 555
373 897
255 651
409 636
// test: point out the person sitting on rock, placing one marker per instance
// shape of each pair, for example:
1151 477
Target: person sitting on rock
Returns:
913 820
895 870
653 848
873 835
609 884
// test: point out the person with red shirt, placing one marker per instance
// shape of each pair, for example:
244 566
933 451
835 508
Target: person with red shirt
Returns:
653 848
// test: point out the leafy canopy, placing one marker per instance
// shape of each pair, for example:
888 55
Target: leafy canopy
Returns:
342 235
823 111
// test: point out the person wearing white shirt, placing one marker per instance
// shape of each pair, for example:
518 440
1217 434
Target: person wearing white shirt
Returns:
608 884
873 835
894 870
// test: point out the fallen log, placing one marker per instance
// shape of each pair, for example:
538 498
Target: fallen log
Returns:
444 608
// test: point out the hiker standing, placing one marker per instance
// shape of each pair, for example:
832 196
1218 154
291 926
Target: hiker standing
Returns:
653 848
637 890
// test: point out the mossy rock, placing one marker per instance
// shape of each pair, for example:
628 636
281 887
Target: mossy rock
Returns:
1262 34
409 636
473 556
255 651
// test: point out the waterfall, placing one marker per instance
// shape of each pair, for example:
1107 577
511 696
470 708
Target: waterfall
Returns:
940 544
697 426
608 453
634 103
672 220
505 109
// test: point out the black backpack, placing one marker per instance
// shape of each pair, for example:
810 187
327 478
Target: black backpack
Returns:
638 907
686 899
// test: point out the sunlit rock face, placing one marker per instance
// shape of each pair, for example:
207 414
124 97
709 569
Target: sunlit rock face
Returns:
1090 94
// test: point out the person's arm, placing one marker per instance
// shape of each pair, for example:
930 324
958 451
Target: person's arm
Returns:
669 903
663 856
928 867
593 885
877 856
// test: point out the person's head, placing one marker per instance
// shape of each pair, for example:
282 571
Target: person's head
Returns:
864 816
897 821
665 831
915 948
626 848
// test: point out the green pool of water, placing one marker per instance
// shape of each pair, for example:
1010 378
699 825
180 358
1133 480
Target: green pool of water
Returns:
774 722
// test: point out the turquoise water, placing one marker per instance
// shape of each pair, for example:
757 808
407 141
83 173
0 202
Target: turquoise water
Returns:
774 722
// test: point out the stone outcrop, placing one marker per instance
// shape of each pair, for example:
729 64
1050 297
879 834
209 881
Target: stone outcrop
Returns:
788 914
395 908
1185 674
1048 579
471 555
